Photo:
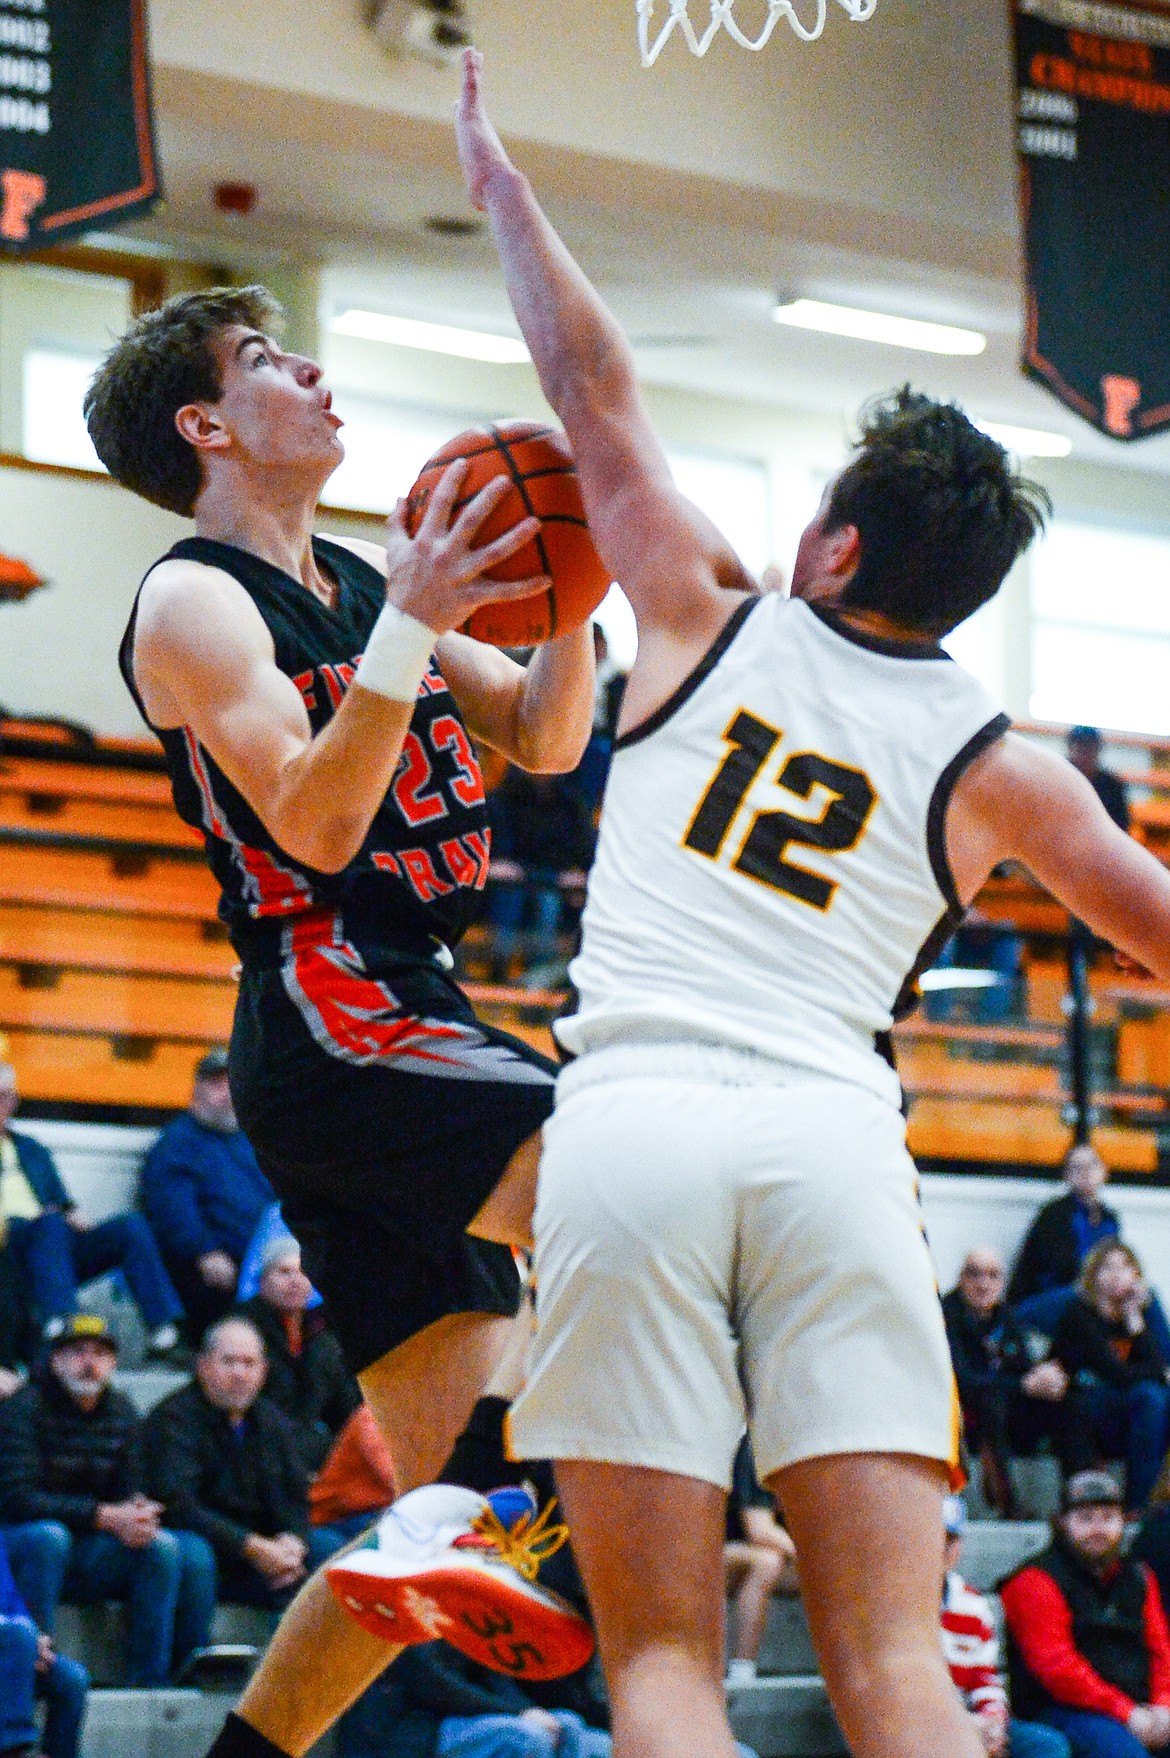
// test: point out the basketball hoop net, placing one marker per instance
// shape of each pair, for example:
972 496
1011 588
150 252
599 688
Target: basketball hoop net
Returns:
723 15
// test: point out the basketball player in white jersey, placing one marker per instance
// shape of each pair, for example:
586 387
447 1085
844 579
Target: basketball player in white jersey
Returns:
805 794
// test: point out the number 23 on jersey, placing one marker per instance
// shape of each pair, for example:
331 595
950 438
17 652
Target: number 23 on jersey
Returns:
763 853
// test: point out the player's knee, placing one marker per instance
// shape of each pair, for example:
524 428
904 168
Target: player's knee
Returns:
877 1665
769 1567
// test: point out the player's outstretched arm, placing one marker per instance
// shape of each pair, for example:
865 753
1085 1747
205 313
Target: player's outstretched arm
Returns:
669 558
204 659
1020 802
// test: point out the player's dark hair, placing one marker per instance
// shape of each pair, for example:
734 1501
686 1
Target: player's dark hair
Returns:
164 360
940 510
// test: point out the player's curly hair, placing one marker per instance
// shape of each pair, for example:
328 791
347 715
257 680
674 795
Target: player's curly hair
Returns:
164 360
940 510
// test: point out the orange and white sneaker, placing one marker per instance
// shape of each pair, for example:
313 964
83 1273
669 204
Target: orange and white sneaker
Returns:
444 1564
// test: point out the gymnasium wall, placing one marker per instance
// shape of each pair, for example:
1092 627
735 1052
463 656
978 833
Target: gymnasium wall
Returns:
100 1165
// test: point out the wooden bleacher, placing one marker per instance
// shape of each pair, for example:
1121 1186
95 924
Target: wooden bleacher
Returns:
116 976
115 973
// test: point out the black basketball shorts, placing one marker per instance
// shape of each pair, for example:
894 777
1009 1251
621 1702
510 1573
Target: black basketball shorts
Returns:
384 1113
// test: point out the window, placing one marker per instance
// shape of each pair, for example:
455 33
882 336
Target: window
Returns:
54 428
1101 628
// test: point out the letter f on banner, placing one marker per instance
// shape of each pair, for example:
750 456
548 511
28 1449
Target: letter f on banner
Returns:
1121 397
21 193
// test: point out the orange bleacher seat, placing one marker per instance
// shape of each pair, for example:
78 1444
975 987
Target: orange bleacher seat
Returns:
928 1067
996 1131
79 879
110 819
191 1010
62 1067
97 940
1143 1051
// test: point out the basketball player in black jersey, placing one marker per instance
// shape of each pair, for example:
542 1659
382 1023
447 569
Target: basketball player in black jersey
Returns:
315 710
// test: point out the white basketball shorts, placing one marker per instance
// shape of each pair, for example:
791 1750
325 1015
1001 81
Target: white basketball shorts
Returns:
723 1240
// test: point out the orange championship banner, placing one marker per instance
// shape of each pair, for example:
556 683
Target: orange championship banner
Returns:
1093 90
76 138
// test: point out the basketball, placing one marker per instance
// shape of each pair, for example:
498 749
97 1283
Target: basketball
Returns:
544 478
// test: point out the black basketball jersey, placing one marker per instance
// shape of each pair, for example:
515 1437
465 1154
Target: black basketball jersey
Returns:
419 874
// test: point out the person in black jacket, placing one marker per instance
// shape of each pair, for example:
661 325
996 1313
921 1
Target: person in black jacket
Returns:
77 1523
227 1466
1010 1402
1063 1233
1083 749
1107 1348
307 1375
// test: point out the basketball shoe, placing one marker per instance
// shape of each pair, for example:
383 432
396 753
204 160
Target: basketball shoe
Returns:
447 1563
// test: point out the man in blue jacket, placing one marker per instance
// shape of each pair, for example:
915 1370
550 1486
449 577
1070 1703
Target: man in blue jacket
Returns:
31 1668
204 1195
56 1251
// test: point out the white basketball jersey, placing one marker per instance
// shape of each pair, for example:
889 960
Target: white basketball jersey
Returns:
771 870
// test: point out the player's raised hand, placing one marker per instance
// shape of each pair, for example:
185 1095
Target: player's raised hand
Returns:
481 151
437 576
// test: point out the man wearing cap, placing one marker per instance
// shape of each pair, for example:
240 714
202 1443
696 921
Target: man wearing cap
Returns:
56 1250
307 1375
77 1523
1088 1643
971 1647
203 1195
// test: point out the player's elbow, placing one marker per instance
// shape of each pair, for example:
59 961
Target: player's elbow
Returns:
327 845
553 750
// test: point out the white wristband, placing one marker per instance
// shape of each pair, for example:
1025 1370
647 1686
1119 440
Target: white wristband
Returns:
397 655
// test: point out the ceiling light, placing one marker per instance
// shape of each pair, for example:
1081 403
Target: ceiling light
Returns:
409 332
878 326
1026 442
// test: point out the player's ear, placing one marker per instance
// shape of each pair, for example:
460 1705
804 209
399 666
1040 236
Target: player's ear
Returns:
201 427
843 551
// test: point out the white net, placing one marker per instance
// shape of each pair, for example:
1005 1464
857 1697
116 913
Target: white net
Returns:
653 36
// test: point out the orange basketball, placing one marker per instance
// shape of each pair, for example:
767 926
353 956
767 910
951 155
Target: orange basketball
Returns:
544 483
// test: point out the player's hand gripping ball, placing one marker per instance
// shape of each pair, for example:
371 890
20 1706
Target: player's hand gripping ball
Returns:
540 465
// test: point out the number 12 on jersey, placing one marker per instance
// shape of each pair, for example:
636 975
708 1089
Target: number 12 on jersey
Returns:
763 853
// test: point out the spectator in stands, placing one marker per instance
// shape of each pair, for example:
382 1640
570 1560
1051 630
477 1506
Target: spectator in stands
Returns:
1088 1645
57 1250
759 1560
542 844
1083 750
30 1668
204 1195
307 1376
1107 1348
434 1703
971 1646
1010 1403
78 1525
356 1482
227 1466
1060 1238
